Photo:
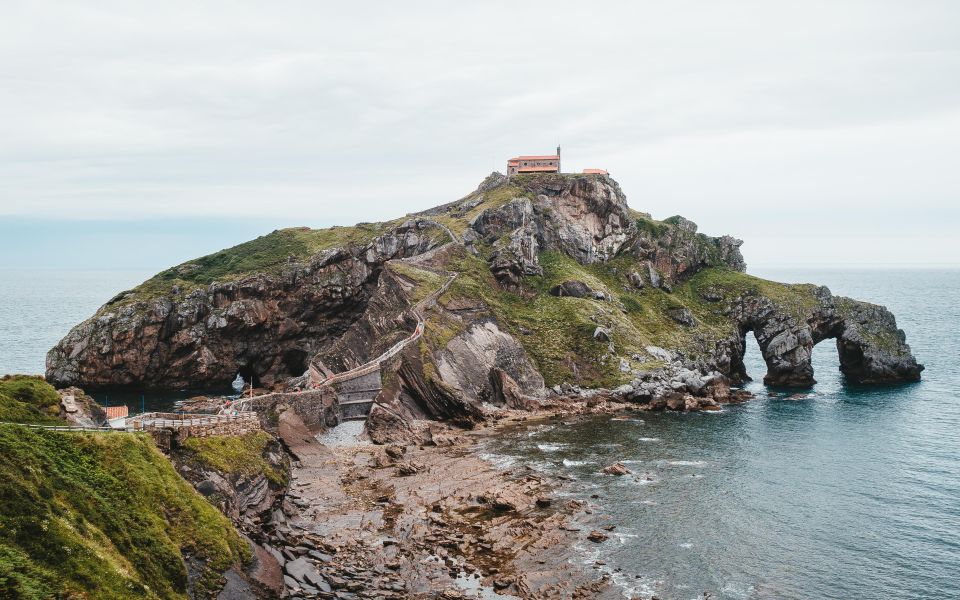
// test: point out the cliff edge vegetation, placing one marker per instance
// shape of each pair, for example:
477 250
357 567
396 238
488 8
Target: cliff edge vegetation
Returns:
28 399
88 515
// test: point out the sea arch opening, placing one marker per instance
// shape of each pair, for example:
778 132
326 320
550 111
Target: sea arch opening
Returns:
790 357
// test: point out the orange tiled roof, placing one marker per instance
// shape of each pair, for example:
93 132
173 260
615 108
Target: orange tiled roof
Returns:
595 172
115 412
536 169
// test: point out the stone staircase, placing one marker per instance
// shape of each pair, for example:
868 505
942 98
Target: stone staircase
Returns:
355 397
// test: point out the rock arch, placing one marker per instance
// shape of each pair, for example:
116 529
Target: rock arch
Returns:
870 347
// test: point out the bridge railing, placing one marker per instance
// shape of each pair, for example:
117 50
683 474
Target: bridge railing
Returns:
318 378
76 428
148 421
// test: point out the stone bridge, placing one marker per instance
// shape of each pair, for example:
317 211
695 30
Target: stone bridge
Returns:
168 429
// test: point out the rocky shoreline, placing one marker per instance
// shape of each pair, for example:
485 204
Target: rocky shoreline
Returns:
431 520
533 295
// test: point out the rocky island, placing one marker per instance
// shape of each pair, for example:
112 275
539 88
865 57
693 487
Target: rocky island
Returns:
558 283
534 298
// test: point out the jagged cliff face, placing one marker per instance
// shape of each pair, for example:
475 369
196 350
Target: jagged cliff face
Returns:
265 325
559 282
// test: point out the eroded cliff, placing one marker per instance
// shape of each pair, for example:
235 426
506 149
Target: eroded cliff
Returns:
560 285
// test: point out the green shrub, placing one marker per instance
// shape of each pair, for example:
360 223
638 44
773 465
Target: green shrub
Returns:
241 454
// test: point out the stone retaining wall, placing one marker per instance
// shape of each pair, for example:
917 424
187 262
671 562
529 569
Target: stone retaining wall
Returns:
170 429
316 408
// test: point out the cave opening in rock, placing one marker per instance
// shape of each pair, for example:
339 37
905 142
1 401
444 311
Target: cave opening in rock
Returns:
295 362
825 358
791 361
249 375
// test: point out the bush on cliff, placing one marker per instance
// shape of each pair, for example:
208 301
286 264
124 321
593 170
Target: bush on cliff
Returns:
104 516
28 399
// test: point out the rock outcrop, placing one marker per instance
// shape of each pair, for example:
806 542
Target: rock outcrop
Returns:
265 325
469 358
77 408
585 218
559 284
871 348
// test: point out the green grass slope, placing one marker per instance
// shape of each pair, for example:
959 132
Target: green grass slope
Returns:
240 454
103 516
265 254
28 399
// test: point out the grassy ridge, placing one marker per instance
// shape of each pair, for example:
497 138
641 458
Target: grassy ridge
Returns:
265 254
28 399
557 332
103 516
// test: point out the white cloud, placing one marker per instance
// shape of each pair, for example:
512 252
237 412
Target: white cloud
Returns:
799 120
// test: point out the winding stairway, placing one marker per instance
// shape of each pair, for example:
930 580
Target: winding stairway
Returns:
357 388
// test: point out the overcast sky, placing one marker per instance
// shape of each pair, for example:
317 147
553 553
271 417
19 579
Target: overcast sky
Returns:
819 132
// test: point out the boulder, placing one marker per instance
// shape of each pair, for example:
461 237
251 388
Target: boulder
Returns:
597 536
618 469
682 316
659 353
572 288
395 451
303 571
408 468
602 334
654 275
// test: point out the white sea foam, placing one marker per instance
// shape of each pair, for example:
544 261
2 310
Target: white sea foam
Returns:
687 463
551 447
627 420
648 439
498 460
574 463
540 429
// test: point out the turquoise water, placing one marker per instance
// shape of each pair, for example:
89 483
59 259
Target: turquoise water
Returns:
845 493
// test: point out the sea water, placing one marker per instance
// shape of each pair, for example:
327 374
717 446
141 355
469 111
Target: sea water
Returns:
40 306
839 492
843 492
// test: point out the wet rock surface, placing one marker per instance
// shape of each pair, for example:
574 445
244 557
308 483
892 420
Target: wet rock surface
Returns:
352 526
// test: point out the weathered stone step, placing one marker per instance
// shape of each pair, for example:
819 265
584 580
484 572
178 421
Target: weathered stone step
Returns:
349 402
